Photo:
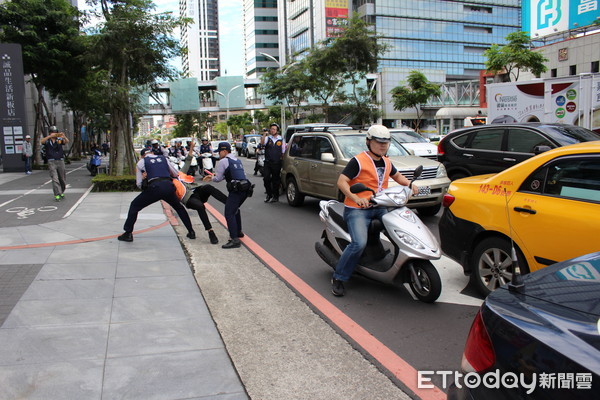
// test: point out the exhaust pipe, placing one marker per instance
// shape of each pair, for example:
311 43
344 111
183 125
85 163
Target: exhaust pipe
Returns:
326 254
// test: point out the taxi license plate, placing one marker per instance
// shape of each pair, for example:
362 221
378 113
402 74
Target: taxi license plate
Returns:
424 191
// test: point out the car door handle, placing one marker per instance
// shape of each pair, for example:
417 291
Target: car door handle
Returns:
525 210
509 159
313 166
467 155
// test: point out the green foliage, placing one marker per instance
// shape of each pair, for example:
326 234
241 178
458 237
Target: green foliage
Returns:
107 183
514 57
48 32
192 124
240 122
417 92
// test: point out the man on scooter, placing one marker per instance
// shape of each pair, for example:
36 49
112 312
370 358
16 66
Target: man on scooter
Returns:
372 168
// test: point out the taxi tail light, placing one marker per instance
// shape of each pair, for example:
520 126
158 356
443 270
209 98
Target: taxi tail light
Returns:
448 200
479 352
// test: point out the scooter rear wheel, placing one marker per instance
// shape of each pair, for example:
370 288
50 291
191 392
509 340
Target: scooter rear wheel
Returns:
429 281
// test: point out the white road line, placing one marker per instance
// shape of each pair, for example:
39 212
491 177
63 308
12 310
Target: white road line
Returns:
79 201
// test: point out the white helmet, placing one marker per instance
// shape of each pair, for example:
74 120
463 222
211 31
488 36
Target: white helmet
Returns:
379 133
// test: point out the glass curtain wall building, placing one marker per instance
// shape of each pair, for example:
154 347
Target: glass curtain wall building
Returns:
201 38
261 35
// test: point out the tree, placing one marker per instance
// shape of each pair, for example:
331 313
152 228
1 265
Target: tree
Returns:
192 124
48 32
288 85
417 92
133 45
514 57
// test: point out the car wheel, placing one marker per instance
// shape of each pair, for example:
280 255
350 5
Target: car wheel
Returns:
491 265
294 197
429 211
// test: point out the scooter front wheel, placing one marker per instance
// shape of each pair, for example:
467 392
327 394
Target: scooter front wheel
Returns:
424 280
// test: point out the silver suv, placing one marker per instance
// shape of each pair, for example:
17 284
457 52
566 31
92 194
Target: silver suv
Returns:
313 162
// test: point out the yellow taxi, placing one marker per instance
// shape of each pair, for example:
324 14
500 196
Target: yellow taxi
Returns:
549 205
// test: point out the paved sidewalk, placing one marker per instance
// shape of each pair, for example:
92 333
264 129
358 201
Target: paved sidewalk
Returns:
104 319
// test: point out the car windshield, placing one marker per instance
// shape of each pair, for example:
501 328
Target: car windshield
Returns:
408 137
566 135
351 145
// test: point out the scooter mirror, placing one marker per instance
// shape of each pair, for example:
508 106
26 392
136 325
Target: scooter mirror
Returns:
360 187
418 172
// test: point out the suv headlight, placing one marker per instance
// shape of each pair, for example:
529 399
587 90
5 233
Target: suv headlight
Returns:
441 171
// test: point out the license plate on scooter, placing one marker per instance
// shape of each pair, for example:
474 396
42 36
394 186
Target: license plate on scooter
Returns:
424 191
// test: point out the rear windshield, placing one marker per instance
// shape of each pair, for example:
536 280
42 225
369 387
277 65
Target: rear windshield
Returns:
566 135
352 145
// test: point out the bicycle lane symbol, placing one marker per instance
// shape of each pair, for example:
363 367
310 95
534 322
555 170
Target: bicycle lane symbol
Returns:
24 212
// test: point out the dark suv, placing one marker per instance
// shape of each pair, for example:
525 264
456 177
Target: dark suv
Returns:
486 149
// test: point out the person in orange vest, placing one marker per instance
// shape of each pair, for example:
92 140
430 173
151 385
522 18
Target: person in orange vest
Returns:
193 195
372 168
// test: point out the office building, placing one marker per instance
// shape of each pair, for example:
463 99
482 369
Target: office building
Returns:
201 38
260 37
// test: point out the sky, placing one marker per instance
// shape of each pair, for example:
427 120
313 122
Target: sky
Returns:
230 32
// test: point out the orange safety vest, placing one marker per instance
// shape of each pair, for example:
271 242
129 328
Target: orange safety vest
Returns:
368 176
180 188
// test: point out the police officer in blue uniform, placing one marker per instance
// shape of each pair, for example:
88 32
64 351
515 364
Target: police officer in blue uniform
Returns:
159 174
239 188
274 148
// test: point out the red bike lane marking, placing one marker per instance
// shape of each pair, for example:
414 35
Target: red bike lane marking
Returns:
402 370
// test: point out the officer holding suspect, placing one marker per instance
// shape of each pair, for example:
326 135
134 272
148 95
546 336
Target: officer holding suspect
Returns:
159 174
239 188
56 160
274 148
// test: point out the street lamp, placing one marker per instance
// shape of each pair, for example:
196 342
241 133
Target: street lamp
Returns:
227 105
282 103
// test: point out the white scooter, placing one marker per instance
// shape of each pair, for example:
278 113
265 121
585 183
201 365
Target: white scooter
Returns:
403 258
207 162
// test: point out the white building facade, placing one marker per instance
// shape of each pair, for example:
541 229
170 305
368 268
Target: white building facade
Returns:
201 38
261 36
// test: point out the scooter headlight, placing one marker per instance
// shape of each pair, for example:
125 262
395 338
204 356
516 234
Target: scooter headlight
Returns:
398 198
410 240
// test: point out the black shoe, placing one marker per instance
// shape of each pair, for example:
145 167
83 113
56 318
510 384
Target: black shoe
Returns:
268 199
232 244
213 237
126 237
255 173
275 199
337 287
241 235
191 235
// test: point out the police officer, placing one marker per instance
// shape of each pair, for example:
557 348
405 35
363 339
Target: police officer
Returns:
56 160
159 173
157 149
239 188
274 149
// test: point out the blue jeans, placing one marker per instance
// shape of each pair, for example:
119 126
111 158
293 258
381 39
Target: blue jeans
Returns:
358 221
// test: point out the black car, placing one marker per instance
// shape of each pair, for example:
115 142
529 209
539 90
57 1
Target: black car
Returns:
540 343
487 149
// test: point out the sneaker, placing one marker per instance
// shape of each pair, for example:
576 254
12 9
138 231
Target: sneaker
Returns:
62 196
191 235
126 237
337 287
232 244
213 237
268 199
275 199
57 198
28 173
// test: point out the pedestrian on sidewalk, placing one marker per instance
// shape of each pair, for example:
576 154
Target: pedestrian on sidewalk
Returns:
159 174
27 154
239 188
193 195
54 143
274 148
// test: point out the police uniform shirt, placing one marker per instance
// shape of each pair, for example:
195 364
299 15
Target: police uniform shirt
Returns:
223 164
274 147
141 167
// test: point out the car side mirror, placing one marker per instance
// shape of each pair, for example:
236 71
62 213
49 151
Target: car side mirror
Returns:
327 157
541 149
